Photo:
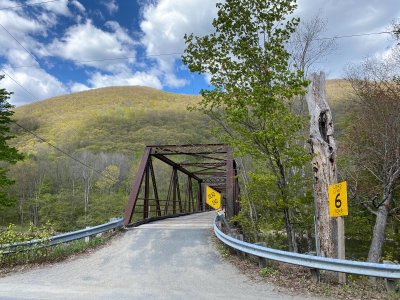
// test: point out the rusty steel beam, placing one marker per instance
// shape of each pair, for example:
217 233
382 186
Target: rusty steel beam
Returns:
178 192
174 191
187 145
209 173
189 149
136 187
169 192
202 164
175 165
155 190
146 192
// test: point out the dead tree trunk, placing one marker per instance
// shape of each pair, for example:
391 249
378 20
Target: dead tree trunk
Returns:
323 151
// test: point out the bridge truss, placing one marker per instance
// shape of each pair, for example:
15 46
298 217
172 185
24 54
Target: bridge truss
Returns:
191 168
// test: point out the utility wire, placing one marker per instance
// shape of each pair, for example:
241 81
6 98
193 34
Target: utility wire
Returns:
50 144
354 35
28 4
20 85
180 53
20 44
62 151
108 59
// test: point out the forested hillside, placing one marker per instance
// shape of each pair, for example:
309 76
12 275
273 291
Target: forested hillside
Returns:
106 129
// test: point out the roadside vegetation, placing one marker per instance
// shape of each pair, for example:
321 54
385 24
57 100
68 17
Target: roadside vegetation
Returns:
42 253
258 59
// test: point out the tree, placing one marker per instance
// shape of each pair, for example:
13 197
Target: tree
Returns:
8 154
252 87
375 142
307 45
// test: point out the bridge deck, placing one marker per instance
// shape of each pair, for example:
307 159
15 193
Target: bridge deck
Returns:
169 259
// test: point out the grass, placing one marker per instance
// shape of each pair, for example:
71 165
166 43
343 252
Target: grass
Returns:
298 281
51 254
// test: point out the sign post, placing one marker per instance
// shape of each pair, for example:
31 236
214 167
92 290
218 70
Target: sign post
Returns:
213 198
338 207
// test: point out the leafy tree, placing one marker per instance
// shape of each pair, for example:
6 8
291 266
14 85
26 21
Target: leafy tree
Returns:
8 154
375 143
108 179
253 86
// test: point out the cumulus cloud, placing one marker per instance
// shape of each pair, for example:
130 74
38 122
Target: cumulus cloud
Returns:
78 5
126 78
347 18
98 48
58 7
165 23
17 32
111 5
37 83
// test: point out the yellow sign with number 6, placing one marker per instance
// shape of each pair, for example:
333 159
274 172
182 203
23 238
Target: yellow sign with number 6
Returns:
337 194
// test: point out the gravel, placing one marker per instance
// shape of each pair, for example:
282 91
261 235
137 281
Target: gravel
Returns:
169 259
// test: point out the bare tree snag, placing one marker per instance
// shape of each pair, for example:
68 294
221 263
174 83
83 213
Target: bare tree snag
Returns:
323 150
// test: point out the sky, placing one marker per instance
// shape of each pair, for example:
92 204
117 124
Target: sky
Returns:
50 48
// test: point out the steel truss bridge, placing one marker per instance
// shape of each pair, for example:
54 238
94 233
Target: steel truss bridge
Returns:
191 168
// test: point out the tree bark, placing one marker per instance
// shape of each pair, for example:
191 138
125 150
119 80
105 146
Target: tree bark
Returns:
323 151
290 231
378 235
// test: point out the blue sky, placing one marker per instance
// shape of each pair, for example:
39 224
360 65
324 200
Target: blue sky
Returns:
66 46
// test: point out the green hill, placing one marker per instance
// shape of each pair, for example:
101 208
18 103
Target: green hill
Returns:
125 119
122 119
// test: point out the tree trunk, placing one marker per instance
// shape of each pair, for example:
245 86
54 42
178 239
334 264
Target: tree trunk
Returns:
323 151
378 235
290 231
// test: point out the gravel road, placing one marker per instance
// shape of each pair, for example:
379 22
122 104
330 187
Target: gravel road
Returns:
169 259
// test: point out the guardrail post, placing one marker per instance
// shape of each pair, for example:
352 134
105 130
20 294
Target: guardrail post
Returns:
315 275
240 237
87 239
262 262
390 283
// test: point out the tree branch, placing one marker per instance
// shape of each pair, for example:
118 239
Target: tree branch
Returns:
369 208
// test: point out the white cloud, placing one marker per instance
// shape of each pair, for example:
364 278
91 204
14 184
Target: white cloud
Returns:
78 87
58 7
85 42
347 18
78 5
125 78
19 29
165 23
37 82
111 5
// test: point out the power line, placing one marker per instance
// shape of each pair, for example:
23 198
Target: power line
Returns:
28 4
109 59
20 85
180 53
354 35
50 144
20 44
62 151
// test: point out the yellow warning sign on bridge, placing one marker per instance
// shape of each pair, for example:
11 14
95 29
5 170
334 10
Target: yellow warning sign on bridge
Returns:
213 198
337 194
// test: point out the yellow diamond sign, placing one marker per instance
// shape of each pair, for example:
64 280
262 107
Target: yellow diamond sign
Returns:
337 194
213 198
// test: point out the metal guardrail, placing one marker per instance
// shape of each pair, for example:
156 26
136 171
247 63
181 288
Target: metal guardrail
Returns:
313 262
61 238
